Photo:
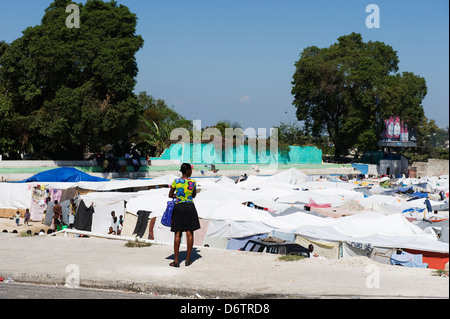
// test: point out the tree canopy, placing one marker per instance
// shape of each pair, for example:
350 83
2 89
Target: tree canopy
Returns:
156 123
349 88
65 91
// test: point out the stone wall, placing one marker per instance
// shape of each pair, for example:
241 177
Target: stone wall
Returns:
434 167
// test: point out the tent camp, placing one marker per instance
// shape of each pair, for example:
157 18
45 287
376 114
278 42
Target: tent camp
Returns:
66 183
368 222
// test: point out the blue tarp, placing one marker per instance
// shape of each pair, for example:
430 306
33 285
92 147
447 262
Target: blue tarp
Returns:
408 260
404 189
363 168
419 195
64 174
415 209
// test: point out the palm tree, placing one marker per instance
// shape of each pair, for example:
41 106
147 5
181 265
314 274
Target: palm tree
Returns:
156 138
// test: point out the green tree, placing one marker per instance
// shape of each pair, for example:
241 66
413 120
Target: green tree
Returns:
72 89
349 88
440 137
428 137
156 123
157 137
158 111
292 134
226 124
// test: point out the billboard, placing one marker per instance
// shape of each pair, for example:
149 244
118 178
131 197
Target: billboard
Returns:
397 133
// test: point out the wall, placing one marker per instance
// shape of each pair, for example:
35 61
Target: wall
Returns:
397 167
434 167
243 154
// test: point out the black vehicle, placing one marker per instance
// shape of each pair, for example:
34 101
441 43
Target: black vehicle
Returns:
286 248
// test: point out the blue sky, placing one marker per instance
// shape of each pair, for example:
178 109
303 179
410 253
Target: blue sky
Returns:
234 60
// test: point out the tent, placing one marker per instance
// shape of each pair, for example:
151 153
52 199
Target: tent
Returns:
323 248
350 207
313 204
65 175
15 196
434 260
287 178
444 232
408 260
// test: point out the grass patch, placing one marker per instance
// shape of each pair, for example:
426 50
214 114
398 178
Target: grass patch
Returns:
291 258
25 234
137 244
440 273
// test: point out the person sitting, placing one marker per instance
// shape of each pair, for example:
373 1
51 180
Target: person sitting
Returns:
242 178
311 249
111 231
136 161
128 159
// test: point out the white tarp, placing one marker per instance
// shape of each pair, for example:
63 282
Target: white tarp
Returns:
378 230
128 183
154 201
102 219
386 227
15 195
235 229
18 195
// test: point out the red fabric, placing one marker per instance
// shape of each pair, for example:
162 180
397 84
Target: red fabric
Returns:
434 260
313 204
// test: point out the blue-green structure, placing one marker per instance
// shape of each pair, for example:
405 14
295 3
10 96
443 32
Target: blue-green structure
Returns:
242 154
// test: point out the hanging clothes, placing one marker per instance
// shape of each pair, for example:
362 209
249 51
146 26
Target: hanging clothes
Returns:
142 222
83 218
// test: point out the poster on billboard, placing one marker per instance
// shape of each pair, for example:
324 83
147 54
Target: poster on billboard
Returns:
397 133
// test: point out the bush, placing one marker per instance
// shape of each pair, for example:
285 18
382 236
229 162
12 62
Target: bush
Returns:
291 258
137 244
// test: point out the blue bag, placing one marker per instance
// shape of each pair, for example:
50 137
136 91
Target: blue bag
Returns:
166 219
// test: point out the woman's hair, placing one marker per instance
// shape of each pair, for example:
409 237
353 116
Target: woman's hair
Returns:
185 167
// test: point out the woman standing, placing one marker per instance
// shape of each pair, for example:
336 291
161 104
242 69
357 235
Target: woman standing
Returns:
184 216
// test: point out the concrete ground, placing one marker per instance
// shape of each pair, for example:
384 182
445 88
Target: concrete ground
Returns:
215 273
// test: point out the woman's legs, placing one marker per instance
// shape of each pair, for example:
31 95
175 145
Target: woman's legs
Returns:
190 244
176 246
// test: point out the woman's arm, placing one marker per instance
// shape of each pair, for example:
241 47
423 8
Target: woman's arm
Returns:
172 193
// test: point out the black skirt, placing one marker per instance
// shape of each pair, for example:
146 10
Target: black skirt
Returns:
184 218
